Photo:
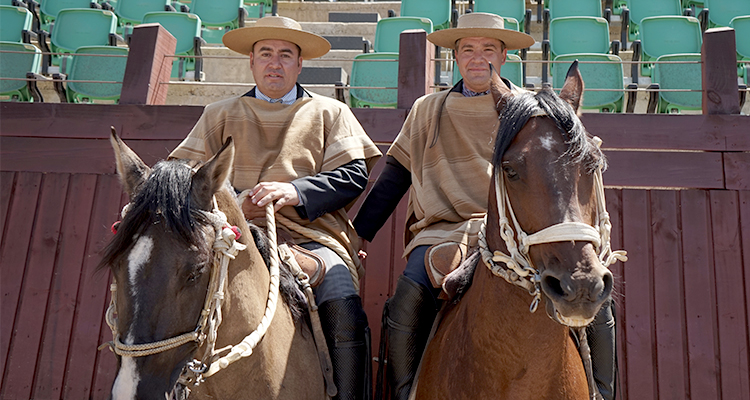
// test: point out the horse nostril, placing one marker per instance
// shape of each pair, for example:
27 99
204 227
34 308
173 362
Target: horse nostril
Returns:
553 286
608 284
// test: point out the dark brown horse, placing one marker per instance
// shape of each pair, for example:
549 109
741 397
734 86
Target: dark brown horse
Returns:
488 345
162 259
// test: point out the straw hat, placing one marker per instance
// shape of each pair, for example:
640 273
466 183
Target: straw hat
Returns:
276 28
481 25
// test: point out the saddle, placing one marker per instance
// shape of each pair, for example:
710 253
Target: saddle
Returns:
441 259
310 263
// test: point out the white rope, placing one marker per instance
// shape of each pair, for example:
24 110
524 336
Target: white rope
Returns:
246 346
316 235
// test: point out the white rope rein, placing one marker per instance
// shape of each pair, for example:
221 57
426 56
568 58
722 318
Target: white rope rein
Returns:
517 267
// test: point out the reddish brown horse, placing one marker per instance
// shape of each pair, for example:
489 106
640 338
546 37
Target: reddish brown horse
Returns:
488 345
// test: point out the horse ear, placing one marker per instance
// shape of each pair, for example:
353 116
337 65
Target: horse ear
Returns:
500 92
572 90
211 176
131 169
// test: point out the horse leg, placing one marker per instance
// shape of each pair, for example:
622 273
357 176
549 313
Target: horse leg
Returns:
601 338
411 312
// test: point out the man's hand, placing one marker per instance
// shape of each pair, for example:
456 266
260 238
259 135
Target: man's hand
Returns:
281 193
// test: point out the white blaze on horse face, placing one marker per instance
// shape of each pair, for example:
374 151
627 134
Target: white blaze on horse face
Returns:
137 258
127 379
547 140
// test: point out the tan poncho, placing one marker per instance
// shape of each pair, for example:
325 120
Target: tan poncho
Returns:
277 142
450 180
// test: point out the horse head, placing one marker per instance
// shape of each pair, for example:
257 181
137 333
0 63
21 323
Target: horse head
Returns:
161 260
545 212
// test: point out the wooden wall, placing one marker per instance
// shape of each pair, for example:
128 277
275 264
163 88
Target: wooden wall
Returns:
678 192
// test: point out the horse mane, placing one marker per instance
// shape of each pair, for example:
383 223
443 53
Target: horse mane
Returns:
165 198
520 108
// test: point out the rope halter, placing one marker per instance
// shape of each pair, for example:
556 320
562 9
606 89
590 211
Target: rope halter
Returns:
517 267
226 248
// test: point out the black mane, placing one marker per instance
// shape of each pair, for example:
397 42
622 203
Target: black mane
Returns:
163 198
520 108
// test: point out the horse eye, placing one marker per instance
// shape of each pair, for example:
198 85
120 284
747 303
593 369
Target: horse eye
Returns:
196 273
510 172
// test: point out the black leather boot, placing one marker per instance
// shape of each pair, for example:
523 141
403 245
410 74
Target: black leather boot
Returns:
411 312
601 338
347 333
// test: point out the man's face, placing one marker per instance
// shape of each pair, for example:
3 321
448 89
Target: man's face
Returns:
275 65
474 55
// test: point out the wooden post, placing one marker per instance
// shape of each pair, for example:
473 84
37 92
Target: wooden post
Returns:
415 69
149 62
719 72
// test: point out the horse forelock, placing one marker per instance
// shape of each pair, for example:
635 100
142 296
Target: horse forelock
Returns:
164 198
520 108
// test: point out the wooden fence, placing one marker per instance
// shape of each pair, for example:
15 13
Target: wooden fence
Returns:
678 191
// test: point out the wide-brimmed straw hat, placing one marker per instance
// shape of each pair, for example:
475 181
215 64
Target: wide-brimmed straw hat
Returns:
481 25
276 28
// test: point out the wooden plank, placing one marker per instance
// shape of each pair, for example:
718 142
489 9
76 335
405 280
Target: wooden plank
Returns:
639 355
614 208
700 301
664 169
106 363
7 180
730 295
72 155
149 63
666 132
382 125
29 324
719 72
737 170
668 295
13 255
416 71
60 120
745 231
51 363
92 292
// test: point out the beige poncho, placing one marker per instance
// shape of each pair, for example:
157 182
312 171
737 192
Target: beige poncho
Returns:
277 142
450 180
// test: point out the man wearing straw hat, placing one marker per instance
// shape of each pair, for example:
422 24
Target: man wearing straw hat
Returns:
442 156
310 157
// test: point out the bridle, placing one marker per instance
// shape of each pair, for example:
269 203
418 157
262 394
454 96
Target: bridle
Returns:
517 267
225 249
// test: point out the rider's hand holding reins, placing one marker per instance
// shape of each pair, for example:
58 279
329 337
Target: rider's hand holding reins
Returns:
281 193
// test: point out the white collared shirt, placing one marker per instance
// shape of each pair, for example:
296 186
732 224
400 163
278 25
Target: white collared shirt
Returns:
287 99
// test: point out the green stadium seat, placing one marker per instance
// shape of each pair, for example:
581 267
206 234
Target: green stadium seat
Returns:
741 26
186 28
567 8
21 59
569 35
680 76
666 35
367 73
640 9
256 10
438 11
721 12
86 66
131 12
511 71
77 27
388 31
48 10
218 17
15 24
515 9
606 79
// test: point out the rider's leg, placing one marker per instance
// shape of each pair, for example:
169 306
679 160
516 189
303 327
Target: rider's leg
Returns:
410 314
345 326
601 338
